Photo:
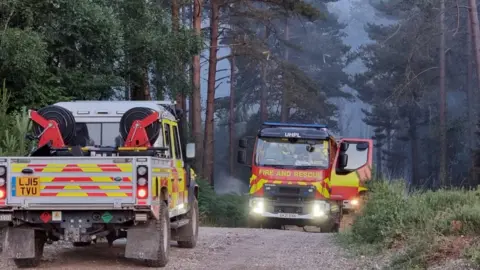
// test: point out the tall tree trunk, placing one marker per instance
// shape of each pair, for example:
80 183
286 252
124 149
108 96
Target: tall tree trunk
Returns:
388 152
196 106
379 148
186 6
412 134
175 16
285 110
231 121
146 84
470 96
263 94
442 104
475 34
212 70
175 28
140 85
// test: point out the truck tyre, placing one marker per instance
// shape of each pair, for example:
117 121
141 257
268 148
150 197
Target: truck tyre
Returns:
33 262
253 223
2 238
162 225
190 231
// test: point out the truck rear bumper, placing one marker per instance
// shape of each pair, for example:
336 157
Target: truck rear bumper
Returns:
74 225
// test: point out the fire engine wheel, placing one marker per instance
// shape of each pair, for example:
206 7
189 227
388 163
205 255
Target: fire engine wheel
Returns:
254 223
139 113
190 231
2 238
64 119
33 262
162 225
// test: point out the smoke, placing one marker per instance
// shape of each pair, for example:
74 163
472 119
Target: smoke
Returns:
228 184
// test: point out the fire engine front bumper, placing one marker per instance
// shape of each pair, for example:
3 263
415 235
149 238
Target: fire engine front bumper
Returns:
308 213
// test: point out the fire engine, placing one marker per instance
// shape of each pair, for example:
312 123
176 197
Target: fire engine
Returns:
101 169
302 175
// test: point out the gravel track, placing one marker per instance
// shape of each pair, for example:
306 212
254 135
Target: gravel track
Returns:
217 249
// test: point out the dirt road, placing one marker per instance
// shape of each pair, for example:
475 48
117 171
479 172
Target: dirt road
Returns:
217 249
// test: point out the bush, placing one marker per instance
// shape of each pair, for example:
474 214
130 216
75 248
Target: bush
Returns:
228 210
13 128
421 224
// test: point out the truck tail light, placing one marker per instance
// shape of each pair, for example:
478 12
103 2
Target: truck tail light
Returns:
142 193
142 182
3 182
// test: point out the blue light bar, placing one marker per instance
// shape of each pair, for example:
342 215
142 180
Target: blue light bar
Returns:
274 124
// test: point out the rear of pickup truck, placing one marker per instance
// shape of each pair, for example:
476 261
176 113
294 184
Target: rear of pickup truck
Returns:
68 183
77 199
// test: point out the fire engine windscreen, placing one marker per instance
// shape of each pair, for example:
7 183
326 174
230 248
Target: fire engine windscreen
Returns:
282 152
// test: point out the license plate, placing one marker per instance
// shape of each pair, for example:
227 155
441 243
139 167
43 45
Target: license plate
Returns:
5 217
288 215
28 186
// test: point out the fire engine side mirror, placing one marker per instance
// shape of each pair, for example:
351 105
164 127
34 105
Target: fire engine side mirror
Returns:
190 151
343 147
242 157
342 160
362 146
242 143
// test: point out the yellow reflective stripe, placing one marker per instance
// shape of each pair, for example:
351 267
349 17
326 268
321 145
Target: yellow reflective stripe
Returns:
72 187
116 194
69 194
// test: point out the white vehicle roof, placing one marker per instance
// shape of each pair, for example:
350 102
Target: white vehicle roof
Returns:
100 110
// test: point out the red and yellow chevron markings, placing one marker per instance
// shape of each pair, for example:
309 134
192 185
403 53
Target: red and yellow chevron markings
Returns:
99 179
52 168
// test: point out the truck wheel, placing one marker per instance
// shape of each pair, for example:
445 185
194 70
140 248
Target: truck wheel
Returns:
81 244
162 225
190 231
2 238
33 262
253 223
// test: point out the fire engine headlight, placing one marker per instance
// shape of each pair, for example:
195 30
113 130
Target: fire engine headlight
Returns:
142 170
142 181
2 181
355 202
258 205
317 211
320 208
2 170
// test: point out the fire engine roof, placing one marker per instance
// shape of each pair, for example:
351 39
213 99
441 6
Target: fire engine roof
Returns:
294 132
114 108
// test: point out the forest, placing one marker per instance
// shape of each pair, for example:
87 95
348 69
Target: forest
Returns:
288 62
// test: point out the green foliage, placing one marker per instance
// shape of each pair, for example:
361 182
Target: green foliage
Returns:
81 49
228 210
420 224
13 128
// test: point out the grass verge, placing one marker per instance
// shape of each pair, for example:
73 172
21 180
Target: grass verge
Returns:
420 229
227 210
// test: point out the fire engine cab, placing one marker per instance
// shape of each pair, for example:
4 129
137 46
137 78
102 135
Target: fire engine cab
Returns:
302 175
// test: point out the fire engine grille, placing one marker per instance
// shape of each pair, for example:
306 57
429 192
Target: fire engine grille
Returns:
289 190
288 199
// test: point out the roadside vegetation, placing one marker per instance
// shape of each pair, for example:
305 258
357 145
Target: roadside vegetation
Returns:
13 127
418 229
226 210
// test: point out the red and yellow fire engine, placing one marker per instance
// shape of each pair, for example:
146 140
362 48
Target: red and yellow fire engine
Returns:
302 175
